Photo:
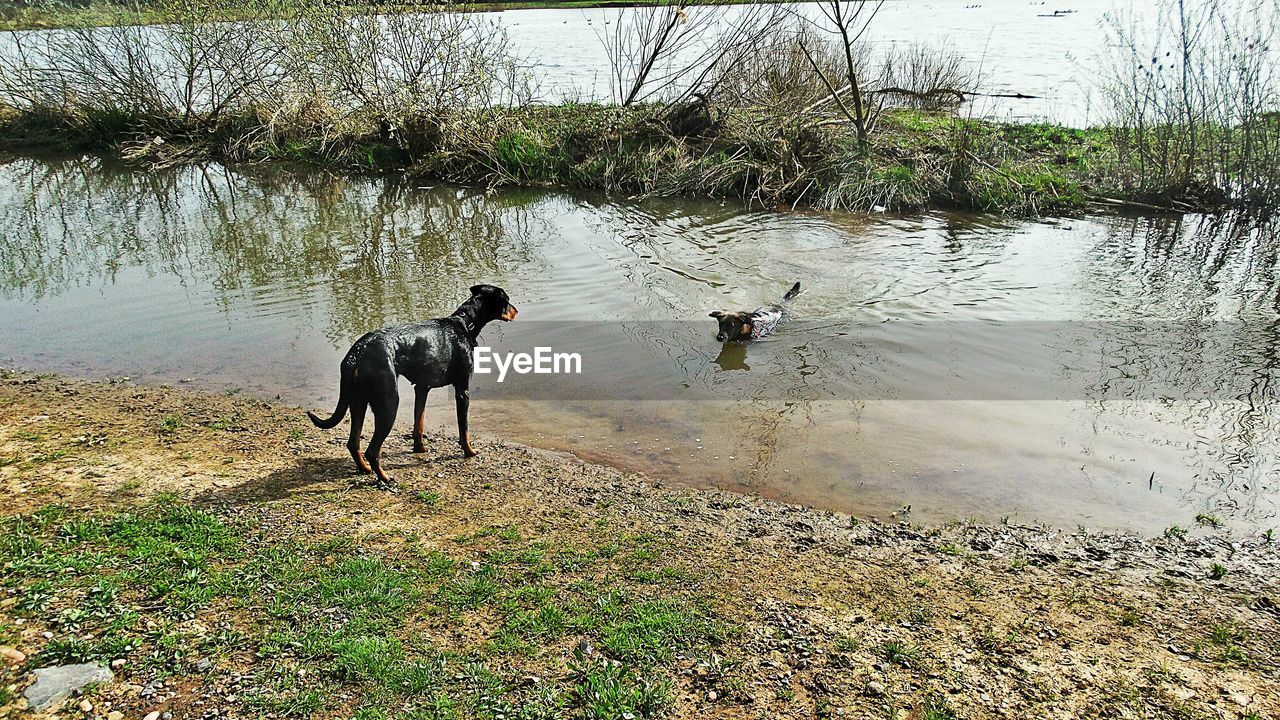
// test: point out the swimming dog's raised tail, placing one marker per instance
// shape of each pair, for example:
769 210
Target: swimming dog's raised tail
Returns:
794 291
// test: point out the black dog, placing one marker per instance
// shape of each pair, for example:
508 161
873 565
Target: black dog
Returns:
430 354
755 324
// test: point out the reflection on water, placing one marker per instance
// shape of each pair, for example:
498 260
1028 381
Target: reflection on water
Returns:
267 239
1163 329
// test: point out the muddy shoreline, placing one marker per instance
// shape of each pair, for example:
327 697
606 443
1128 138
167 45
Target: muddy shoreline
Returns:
834 616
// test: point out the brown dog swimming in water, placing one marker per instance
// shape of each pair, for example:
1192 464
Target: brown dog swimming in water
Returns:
753 325
428 354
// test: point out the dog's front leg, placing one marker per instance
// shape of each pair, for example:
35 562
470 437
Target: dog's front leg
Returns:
462 399
419 416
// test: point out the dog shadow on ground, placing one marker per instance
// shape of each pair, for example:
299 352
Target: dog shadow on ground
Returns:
316 475
305 476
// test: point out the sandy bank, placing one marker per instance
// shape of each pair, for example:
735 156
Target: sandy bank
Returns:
713 604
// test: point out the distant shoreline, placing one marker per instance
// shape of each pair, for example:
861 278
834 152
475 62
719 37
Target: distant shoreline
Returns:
107 14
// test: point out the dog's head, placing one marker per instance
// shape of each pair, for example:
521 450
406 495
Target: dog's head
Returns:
494 302
733 325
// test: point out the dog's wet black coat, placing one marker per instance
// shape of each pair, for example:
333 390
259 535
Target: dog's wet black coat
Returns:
743 326
428 354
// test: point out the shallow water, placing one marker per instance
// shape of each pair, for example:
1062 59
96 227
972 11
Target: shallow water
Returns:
1110 371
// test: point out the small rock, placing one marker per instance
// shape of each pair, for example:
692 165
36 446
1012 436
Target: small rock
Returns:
86 707
55 684
153 715
12 656
117 663
712 695
115 715
875 688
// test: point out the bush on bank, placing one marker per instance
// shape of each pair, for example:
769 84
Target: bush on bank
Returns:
919 160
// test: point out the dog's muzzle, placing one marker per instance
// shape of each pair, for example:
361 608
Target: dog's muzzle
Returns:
509 314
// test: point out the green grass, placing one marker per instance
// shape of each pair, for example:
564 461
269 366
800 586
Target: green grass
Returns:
228 423
1208 520
1226 642
170 424
937 708
128 584
953 549
895 652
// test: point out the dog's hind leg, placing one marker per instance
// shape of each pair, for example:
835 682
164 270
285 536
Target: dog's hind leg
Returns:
462 400
419 417
384 401
358 406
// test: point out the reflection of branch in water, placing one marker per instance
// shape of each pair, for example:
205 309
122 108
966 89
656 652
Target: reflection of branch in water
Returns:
383 249
72 221
1216 279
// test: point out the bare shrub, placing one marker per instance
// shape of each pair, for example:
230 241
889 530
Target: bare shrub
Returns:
777 73
923 77
847 21
672 49
172 72
786 73
313 66
395 66
1194 93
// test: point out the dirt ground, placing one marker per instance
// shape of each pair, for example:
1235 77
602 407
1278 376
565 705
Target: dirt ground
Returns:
833 616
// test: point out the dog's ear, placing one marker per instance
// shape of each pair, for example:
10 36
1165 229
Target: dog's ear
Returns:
717 314
475 289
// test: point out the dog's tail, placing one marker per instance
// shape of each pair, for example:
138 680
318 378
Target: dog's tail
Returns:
340 412
794 291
